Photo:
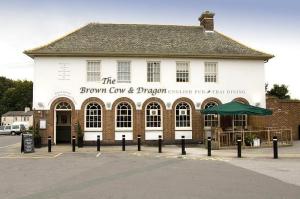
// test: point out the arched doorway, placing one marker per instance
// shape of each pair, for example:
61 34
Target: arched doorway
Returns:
62 123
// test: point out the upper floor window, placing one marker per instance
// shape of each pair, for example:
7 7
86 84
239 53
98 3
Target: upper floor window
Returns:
93 116
124 116
123 72
183 115
182 71
210 73
93 71
211 120
153 71
153 115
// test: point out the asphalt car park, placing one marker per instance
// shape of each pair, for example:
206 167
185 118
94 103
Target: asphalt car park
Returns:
113 173
7 140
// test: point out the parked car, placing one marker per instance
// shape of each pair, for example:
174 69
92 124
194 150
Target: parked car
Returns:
23 123
5 130
17 129
1 130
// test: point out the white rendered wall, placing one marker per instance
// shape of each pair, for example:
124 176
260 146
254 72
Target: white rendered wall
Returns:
246 76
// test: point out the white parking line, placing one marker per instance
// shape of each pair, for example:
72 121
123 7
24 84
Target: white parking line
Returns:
57 155
98 155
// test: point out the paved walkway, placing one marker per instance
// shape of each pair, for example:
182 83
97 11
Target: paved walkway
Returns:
194 152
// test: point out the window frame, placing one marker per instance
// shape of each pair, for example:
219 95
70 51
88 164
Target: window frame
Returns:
210 73
159 76
63 106
238 120
188 71
208 117
101 118
124 81
190 117
116 118
161 116
87 71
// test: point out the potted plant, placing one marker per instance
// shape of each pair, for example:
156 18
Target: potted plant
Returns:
36 136
79 135
249 139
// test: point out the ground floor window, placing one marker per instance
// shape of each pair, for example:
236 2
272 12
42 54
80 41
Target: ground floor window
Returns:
211 120
124 115
93 116
153 115
183 115
240 120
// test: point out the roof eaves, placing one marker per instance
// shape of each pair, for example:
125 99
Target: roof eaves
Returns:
266 55
30 52
161 55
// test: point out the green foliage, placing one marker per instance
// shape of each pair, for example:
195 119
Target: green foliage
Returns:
249 139
79 130
36 131
280 91
15 95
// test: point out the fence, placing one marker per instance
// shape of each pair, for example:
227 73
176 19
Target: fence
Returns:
251 138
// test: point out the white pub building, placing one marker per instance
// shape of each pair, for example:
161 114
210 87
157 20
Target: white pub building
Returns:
148 80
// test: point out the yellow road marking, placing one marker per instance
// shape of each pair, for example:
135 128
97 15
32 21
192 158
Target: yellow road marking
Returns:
27 156
2 147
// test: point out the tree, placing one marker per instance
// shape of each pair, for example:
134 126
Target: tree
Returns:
4 85
280 91
15 95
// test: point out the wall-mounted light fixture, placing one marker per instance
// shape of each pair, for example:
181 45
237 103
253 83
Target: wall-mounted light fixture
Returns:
108 105
169 105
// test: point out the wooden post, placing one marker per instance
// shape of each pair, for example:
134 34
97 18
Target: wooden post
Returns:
219 139
243 137
269 137
291 132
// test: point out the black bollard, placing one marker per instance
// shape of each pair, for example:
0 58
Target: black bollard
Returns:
159 144
98 142
239 147
22 143
275 147
49 144
208 146
183 152
73 143
123 142
139 142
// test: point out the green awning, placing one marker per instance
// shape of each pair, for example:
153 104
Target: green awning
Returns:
236 108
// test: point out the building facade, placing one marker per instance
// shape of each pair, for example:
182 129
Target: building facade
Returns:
148 80
10 117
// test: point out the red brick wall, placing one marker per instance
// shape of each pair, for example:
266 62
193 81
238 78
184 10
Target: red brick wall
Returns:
286 114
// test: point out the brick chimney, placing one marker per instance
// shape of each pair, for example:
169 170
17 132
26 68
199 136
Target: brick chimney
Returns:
207 20
27 109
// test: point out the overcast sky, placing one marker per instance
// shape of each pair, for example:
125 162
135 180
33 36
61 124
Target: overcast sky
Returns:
272 26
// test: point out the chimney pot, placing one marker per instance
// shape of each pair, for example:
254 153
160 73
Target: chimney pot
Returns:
207 20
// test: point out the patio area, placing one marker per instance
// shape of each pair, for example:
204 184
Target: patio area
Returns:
251 138
225 135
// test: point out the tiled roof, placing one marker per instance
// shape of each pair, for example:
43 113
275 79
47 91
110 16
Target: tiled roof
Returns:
18 113
138 40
